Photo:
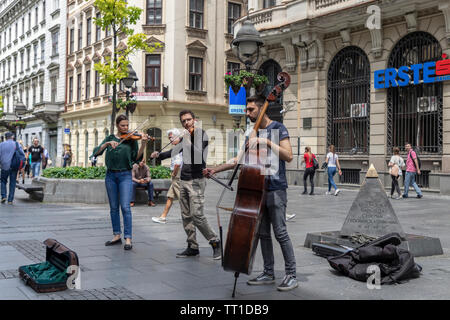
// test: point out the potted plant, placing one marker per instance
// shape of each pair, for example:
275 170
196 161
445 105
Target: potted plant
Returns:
259 82
234 81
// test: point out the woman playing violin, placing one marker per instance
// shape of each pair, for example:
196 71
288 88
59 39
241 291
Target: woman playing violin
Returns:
120 156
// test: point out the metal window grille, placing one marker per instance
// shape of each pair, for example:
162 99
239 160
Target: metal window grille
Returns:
349 176
414 112
348 118
271 69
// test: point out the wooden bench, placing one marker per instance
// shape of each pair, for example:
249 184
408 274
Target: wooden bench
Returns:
36 192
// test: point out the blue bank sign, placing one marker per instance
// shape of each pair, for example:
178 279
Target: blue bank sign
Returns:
429 72
237 101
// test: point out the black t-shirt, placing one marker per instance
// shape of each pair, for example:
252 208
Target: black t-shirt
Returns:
36 153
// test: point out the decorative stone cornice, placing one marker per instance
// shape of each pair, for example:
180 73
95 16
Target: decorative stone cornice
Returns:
197 33
106 53
346 38
97 57
445 8
196 47
151 41
78 64
154 29
377 42
411 21
290 55
122 46
87 60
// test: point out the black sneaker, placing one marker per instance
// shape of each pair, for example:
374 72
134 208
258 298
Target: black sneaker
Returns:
419 196
289 282
3 200
305 192
189 252
217 254
262 279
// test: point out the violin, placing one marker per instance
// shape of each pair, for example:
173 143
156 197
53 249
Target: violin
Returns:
133 136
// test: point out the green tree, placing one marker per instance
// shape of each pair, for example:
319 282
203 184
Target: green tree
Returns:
118 16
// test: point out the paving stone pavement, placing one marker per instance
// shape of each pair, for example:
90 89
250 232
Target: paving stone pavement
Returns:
152 271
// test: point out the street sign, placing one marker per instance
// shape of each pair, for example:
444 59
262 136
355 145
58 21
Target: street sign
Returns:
237 102
67 130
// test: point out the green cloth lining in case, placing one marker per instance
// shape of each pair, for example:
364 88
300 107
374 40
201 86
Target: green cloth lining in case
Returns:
45 273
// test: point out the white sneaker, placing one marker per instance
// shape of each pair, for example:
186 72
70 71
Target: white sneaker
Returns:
327 193
159 220
337 192
290 216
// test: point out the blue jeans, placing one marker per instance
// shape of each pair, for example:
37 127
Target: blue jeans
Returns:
12 175
275 215
119 188
410 179
35 168
149 187
331 173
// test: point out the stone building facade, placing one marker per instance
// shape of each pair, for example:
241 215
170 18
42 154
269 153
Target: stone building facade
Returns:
186 72
333 50
32 68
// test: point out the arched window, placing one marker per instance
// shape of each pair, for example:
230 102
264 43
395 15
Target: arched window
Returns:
271 69
348 107
154 145
414 112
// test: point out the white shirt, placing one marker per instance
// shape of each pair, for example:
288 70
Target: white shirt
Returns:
177 160
399 162
332 159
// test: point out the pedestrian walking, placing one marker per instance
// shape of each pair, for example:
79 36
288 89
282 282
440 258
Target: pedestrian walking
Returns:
37 154
120 157
45 159
67 155
412 168
140 174
332 161
21 172
9 167
395 170
308 159
175 165
27 161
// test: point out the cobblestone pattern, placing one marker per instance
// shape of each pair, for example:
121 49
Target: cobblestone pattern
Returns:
32 249
111 293
9 274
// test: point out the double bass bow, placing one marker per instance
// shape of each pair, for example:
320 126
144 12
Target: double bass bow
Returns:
243 228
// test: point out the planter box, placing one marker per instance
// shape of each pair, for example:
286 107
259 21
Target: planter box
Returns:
83 191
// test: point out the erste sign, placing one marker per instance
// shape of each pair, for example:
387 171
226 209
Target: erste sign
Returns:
434 71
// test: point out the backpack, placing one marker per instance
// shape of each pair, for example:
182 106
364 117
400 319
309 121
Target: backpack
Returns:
18 160
396 264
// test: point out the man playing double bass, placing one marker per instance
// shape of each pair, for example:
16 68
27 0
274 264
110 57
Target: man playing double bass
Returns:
276 196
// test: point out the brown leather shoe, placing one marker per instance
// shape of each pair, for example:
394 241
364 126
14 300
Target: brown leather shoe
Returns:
151 204
131 204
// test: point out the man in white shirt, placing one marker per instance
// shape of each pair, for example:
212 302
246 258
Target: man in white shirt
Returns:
175 166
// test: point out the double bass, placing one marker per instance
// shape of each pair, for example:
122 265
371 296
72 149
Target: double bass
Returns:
243 229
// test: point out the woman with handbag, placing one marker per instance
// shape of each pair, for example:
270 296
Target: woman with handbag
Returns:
332 162
311 165
395 170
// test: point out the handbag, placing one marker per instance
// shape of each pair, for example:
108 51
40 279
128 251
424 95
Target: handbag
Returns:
324 165
315 163
394 170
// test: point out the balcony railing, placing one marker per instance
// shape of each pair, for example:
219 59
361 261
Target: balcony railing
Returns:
319 4
320 7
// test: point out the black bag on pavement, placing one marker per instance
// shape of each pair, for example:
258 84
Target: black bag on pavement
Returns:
396 264
51 275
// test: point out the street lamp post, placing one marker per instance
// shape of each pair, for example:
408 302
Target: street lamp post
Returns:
128 82
246 46
19 109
